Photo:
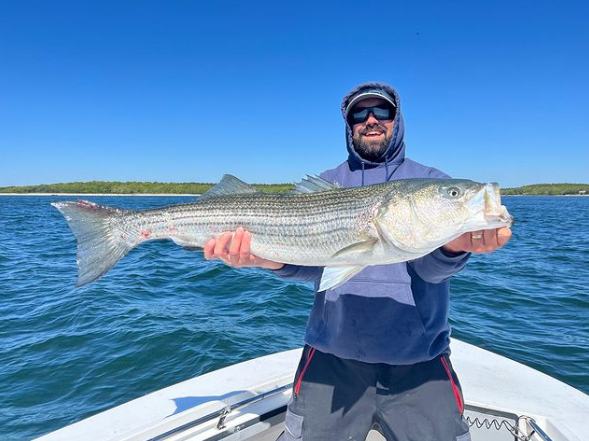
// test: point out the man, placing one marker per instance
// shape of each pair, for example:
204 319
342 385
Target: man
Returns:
376 349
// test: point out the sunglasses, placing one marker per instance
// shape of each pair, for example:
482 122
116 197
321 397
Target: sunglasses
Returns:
359 115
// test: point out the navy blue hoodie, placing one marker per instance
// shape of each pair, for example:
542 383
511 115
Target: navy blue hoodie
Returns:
395 314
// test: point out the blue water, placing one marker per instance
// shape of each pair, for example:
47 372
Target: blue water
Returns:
164 315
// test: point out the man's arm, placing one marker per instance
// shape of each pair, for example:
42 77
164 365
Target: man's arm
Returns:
297 272
234 250
446 261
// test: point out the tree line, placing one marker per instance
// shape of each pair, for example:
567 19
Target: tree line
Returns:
108 187
547 190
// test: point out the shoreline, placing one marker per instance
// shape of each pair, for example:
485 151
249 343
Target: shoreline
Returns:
552 195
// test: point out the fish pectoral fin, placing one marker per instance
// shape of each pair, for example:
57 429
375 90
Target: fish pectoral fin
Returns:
334 276
362 247
228 185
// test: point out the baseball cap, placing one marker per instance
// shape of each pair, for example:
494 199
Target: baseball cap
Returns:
369 93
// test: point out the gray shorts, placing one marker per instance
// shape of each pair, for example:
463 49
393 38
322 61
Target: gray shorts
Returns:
337 399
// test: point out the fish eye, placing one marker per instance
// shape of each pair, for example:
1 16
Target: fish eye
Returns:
454 192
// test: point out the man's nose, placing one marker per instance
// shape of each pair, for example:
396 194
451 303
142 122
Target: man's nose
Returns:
371 120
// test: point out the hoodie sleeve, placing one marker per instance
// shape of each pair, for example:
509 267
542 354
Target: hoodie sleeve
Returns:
439 265
295 272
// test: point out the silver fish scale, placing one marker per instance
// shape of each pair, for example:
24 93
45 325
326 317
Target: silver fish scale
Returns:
301 228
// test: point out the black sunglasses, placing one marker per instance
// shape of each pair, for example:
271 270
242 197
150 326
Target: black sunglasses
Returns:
359 115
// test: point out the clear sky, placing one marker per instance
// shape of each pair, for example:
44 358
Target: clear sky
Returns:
184 91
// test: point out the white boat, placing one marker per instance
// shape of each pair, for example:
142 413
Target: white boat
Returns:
505 400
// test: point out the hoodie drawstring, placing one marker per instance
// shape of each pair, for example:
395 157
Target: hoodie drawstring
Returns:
386 171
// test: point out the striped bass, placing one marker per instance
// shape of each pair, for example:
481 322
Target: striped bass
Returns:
318 224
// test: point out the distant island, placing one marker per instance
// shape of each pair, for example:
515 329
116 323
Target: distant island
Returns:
138 188
548 190
193 188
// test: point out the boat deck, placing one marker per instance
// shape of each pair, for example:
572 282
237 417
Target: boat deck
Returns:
247 401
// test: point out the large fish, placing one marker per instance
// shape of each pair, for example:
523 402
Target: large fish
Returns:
318 224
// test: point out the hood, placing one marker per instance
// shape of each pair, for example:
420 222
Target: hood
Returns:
395 152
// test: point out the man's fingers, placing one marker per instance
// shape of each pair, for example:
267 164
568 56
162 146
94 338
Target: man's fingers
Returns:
244 252
235 247
209 249
476 240
221 245
503 235
490 240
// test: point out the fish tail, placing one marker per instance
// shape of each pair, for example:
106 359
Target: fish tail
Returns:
101 243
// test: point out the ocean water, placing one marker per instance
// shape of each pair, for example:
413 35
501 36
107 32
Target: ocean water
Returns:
164 315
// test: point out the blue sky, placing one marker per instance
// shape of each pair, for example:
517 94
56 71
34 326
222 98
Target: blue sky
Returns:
183 91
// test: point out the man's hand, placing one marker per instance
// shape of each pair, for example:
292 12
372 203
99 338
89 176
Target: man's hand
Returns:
479 241
237 253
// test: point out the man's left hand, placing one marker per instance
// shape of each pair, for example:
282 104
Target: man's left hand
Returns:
483 241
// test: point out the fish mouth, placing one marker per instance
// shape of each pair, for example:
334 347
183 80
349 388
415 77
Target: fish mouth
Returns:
487 211
493 211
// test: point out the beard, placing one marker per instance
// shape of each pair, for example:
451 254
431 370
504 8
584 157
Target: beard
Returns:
369 149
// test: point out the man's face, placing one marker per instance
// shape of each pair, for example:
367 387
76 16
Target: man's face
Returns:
372 137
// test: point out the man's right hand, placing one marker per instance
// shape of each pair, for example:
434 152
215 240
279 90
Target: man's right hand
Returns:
234 250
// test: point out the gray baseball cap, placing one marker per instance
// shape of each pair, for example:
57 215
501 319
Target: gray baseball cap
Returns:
369 93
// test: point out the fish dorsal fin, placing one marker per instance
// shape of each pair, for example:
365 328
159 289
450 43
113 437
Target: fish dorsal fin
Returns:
229 185
313 184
